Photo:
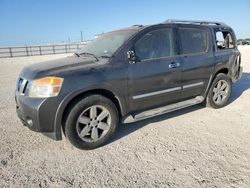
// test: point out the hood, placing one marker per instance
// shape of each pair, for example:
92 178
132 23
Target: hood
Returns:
60 66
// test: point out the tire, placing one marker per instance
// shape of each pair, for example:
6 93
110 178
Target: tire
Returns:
91 122
218 92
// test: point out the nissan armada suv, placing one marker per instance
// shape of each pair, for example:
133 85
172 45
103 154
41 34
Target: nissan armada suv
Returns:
128 75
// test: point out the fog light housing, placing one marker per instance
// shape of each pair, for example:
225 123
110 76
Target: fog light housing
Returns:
29 122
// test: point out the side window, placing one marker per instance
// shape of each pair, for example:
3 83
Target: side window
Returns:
224 40
193 40
155 44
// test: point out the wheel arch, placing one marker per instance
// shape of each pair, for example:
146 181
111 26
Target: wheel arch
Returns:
76 96
208 101
223 70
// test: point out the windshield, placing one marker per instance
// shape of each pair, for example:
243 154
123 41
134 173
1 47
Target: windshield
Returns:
105 45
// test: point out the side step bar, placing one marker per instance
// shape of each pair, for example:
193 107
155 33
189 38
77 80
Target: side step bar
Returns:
163 110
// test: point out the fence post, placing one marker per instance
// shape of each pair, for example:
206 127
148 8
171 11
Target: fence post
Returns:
53 49
40 50
31 54
27 51
77 46
11 55
66 48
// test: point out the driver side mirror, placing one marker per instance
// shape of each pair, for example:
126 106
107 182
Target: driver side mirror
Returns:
131 56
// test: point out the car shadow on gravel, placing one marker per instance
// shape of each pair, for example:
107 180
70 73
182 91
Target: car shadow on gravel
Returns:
125 129
240 87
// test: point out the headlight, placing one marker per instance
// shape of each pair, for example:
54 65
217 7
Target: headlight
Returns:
45 87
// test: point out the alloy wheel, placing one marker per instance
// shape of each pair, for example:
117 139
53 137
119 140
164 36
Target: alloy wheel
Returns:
220 92
93 123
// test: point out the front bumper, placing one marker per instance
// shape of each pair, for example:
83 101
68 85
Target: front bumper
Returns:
38 114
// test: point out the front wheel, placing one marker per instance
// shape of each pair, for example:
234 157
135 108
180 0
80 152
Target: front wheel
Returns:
91 122
219 92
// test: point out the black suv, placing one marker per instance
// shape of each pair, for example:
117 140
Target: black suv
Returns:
129 75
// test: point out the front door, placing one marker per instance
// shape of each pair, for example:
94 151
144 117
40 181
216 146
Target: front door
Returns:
154 78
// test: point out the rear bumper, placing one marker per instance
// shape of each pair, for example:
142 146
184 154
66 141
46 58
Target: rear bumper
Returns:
38 115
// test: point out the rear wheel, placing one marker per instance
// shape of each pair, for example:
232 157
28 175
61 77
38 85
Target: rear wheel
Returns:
219 92
91 122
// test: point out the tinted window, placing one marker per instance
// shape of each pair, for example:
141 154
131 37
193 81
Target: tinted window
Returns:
193 40
155 44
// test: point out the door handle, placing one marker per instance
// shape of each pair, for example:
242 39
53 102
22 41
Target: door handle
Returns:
174 65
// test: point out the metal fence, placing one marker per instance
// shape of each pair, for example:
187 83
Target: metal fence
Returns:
22 51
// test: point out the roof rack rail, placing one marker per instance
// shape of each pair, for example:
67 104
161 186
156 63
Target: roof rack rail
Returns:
201 22
137 25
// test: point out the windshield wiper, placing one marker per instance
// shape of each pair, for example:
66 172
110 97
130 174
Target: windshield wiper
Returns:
86 53
105 56
76 54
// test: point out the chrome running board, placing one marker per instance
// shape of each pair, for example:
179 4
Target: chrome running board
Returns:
163 110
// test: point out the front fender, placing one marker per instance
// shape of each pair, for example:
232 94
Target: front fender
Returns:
68 98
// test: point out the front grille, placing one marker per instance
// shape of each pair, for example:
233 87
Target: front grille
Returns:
22 85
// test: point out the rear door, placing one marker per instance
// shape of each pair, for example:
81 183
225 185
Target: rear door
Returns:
154 79
197 59
226 52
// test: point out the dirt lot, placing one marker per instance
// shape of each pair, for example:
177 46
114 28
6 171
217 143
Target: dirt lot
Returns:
193 147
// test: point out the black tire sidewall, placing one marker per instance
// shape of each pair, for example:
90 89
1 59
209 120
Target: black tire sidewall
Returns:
77 109
209 100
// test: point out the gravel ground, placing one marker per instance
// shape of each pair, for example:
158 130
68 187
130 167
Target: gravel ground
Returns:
193 147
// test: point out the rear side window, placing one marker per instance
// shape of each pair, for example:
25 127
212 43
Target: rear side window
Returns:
224 40
193 40
155 44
